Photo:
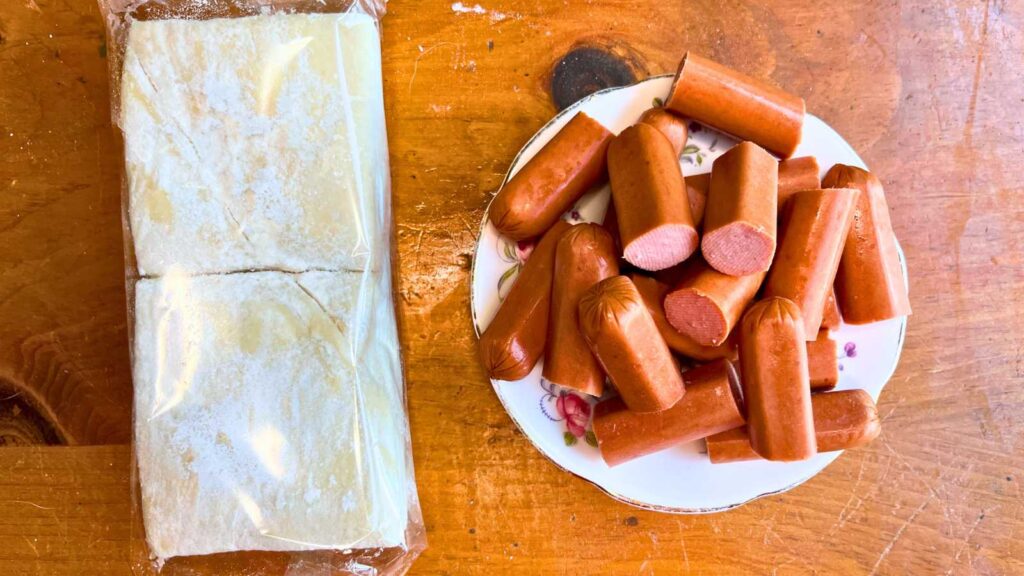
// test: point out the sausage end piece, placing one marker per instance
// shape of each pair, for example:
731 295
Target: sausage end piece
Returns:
515 339
776 382
624 338
842 420
738 249
670 125
662 247
697 315
569 165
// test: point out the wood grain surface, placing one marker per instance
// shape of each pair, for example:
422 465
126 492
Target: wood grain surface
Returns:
928 92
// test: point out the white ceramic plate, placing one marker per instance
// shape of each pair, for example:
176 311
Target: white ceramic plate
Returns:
557 421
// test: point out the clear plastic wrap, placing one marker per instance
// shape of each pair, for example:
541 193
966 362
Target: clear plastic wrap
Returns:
270 430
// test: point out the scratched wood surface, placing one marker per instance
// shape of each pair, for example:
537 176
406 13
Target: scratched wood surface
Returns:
928 92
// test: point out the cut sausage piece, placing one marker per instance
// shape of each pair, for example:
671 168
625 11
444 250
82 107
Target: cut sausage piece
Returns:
705 305
812 239
671 126
585 255
830 318
514 341
849 419
798 174
697 187
550 182
653 293
712 404
622 335
741 212
738 104
655 224
869 285
822 362
776 385
842 420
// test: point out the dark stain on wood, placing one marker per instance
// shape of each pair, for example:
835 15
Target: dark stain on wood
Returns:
21 424
589 68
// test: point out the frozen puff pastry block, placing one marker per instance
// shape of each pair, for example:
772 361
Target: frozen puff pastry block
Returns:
269 413
255 143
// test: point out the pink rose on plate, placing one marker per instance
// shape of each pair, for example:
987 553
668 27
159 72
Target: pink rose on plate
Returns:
576 412
524 248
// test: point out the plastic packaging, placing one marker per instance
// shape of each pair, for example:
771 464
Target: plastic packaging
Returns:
270 429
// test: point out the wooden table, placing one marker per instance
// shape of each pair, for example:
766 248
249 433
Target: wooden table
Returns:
930 94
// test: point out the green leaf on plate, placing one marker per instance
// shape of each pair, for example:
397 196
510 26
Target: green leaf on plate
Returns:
658 102
570 440
700 159
508 275
690 149
591 438
509 252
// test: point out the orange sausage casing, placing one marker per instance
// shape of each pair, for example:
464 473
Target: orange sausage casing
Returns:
514 341
550 182
776 387
795 174
653 292
870 286
738 104
798 174
842 420
585 255
705 304
697 187
622 335
831 318
655 225
813 234
712 404
611 224
822 362
741 212
671 126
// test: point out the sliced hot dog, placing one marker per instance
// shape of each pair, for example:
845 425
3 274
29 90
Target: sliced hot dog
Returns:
842 420
869 286
671 126
813 234
797 174
776 385
697 187
622 335
655 224
741 212
653 293
548 185
822 362
705 304
738 104
585 255
831 318
712 404
514 341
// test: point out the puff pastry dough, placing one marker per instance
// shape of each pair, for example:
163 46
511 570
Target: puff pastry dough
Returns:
254 143
268 413
269 407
